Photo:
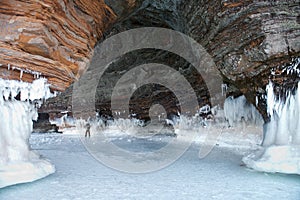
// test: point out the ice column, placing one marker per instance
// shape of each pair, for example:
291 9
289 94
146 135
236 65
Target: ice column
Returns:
284 125
18 164
281 145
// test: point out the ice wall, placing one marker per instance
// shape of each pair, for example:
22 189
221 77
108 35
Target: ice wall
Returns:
18 164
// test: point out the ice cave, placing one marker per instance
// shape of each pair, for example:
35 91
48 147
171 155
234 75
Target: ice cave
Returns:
137 99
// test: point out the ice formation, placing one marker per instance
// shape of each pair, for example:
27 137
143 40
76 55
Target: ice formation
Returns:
238 110
284 126
38 89
224 88
281 136
65 121
293 68
18 164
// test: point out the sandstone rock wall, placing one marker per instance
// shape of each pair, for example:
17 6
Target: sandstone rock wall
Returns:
250 42
52 37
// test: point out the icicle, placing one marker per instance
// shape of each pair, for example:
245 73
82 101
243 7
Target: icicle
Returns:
256 100
293 68
237 110
6 93
281 136
14 91
286 115
18 163
224 88
21 74
39 89
270 98
296 136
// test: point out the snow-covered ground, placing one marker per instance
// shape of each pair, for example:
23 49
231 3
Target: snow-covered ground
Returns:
217 176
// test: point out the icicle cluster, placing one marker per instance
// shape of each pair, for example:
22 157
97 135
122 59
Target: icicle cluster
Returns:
284 125
281 136
35 74
237 110
293 68
38 89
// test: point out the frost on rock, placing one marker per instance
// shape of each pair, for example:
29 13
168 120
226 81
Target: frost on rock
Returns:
18 164
281 136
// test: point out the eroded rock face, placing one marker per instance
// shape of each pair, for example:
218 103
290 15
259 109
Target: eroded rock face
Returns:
250 42
247 40
54 38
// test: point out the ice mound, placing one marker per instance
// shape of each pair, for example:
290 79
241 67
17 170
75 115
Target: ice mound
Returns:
282 159
25 171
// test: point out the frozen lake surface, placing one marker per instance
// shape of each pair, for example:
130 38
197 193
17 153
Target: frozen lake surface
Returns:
218 176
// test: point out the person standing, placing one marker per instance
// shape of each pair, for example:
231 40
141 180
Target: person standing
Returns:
88 132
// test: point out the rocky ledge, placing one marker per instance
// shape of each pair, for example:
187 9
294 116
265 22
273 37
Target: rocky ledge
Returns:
52 38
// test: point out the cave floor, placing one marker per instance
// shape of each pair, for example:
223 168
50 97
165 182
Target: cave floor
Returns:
218 176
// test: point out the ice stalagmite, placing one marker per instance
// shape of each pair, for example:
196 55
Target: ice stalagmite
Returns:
18 164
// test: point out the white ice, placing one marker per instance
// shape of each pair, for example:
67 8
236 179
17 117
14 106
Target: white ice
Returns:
238 110
38 89
18 164
281 136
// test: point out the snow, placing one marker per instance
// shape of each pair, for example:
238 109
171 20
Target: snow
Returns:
282 136
18 163
218 176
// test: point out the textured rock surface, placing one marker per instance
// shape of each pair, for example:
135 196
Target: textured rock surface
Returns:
247 40
250 42
53 37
